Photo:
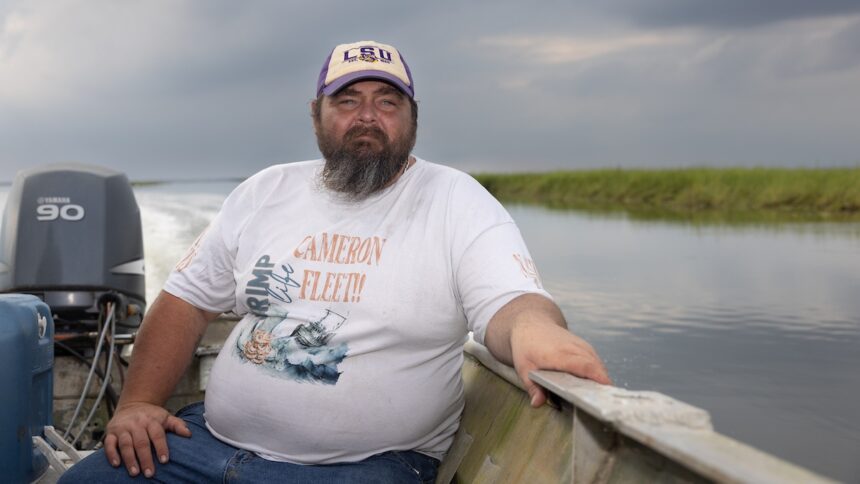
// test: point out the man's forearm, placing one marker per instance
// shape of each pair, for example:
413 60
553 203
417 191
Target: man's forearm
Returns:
522 310
163 349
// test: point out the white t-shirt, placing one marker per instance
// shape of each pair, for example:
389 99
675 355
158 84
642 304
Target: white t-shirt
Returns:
354 314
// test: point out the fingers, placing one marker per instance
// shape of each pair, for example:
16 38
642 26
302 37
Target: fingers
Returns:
578 357
537 396
583 366
126 450
135 431
571 356
570 360
177 426
580 366
142 446
111 451
159 441
593 370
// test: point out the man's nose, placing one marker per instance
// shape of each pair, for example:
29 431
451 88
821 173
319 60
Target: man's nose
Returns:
367 112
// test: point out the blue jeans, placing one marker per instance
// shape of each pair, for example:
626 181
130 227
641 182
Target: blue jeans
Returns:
203 458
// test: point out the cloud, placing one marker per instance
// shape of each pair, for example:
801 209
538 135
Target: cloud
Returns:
763 97
144 86
565 50
724 14
781 54
67 50
221 88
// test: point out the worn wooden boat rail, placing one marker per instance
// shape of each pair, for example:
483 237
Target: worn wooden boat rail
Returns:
593 434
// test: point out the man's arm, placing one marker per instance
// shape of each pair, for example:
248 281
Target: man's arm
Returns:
170 332
530 333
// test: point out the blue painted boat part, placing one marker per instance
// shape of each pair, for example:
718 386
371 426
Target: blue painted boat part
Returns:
26 384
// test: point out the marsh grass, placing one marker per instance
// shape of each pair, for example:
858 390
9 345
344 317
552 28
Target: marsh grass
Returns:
754 194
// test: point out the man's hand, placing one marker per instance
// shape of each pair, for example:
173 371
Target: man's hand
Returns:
542 345
163 350
133 429
530 334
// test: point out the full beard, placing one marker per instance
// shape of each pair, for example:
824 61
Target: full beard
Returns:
354 169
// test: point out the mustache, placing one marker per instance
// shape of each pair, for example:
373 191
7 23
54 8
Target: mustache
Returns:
358 131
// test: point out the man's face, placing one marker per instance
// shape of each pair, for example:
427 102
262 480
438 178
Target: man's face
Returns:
365 133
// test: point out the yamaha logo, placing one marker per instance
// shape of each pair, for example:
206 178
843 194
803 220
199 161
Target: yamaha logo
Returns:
53 208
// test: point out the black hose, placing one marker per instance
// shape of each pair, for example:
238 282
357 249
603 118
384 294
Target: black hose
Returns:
109 391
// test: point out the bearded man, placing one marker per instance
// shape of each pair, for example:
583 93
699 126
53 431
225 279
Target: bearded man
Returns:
358 278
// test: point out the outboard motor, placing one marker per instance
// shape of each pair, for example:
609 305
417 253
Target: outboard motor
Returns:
71 235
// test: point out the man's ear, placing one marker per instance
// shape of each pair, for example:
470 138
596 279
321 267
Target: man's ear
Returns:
314 111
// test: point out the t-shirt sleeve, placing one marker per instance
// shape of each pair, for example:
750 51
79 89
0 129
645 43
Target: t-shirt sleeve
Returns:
204 276
491 261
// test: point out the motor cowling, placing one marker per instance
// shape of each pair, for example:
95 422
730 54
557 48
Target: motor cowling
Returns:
71 235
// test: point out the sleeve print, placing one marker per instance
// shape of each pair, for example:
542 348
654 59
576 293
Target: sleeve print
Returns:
528 269
192 252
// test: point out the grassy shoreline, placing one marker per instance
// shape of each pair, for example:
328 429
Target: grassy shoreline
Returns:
831 194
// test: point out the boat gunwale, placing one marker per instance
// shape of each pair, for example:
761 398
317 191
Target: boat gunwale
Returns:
676 430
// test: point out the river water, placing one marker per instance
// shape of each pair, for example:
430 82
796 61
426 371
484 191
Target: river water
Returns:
759 325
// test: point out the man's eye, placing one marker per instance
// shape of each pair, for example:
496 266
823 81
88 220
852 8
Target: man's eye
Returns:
346 102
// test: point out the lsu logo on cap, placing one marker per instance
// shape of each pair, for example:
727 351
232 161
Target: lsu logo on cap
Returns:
349 63
367 54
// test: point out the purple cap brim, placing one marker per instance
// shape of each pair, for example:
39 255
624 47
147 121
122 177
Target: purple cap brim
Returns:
343 81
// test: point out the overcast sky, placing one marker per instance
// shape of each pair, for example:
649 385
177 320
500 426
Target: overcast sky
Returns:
206 88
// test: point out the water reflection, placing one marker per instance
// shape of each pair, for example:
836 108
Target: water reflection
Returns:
770 220
760 326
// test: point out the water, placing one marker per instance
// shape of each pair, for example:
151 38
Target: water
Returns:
758 325
173 215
